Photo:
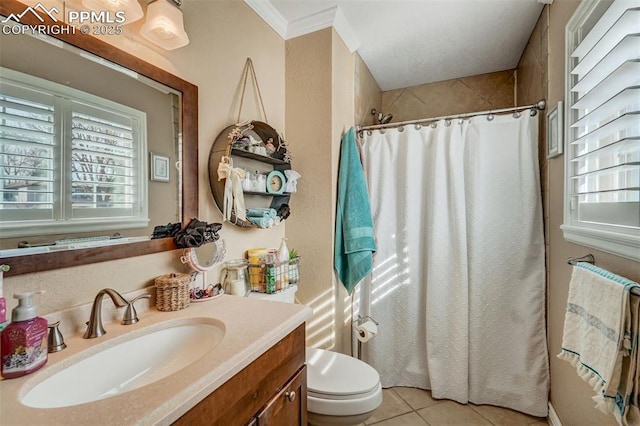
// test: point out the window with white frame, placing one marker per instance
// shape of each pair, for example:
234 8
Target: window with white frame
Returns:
68 158
602 164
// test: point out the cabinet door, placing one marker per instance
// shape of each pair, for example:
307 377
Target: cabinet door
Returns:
289 406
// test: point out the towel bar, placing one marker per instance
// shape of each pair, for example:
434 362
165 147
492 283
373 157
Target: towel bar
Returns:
589 258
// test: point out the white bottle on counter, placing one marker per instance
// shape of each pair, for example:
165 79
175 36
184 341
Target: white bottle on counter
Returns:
283 259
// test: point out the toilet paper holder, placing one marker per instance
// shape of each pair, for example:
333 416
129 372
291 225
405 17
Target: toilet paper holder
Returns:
360 320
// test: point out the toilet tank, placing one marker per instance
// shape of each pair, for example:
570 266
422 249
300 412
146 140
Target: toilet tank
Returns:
286 296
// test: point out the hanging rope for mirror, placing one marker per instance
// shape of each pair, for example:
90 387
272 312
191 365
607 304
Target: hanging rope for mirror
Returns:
248 68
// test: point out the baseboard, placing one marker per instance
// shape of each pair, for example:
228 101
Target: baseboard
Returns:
554 420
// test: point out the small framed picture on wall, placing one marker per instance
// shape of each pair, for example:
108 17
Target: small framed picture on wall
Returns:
159 167
555 131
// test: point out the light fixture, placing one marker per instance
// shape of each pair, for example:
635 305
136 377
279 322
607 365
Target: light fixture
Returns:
165 26
132 10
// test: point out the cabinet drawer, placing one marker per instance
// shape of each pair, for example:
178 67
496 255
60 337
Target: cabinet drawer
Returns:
238 400
289 406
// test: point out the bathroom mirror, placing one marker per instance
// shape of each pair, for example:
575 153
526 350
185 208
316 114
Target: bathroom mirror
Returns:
102 63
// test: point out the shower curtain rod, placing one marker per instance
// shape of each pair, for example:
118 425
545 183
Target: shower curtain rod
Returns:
540 105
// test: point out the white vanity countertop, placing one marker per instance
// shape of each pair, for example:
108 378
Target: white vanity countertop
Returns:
252 326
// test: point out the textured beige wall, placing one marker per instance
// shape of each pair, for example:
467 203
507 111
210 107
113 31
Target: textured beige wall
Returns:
309 132
367 93
460 95
570 395
223 34
319 108
343 66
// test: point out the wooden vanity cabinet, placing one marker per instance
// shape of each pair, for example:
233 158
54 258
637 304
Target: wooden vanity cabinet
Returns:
289 406
262 393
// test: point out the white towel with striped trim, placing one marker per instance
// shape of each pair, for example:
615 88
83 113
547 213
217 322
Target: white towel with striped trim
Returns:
597 334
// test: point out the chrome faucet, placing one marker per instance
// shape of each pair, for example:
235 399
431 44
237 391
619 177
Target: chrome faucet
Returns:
94 325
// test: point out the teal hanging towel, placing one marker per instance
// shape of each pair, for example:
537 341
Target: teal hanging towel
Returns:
355 242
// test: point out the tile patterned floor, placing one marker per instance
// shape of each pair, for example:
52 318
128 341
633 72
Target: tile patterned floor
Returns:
415 407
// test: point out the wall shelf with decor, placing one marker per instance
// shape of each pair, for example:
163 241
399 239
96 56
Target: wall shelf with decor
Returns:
242 148
259 157
266 194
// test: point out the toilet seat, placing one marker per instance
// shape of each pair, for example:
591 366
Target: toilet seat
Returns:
340 385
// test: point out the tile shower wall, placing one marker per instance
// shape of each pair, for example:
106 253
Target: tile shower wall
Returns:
532 81
367 93
460 95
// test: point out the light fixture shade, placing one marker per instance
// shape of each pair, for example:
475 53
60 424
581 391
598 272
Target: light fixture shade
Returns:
165 26
132 10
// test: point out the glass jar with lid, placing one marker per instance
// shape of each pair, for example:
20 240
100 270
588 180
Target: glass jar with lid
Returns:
235 278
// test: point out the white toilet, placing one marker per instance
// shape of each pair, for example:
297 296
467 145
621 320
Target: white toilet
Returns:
341 390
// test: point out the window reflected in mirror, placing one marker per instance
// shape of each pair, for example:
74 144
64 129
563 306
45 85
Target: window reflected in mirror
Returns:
75 135
70 161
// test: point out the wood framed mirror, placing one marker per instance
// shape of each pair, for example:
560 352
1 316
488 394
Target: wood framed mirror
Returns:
22 264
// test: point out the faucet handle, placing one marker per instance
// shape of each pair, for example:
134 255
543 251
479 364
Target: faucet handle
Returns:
130 314
55 341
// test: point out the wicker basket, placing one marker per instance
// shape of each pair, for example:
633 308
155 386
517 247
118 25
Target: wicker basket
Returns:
172 291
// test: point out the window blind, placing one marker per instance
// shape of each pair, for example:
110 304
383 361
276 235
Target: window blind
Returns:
603 168
27 152
67 158
103 163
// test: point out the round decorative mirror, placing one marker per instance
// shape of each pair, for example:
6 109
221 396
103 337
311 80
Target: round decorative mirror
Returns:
205 257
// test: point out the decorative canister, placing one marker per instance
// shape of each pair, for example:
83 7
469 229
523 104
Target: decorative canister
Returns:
235 278
172 291
256 257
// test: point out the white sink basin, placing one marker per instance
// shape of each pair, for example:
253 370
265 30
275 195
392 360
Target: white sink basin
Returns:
126 366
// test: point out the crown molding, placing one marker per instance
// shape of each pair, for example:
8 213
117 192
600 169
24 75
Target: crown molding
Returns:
344 30
270 15
311 23
326 18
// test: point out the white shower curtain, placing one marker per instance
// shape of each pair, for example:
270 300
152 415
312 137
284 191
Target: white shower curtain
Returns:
458 284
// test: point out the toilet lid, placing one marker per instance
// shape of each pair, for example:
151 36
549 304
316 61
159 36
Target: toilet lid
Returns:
333 373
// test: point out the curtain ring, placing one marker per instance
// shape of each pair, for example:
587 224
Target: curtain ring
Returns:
434 125
533 112
490 117
369 132
460 120
447 122
516 114
418 126
401 129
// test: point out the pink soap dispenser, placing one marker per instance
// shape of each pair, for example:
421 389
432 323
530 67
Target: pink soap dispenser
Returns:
3 301
23 343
